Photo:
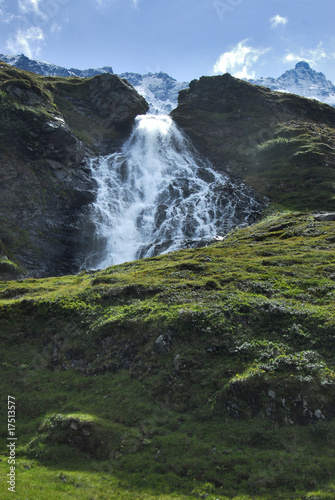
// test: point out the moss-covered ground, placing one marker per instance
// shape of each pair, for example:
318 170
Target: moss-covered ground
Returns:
204 373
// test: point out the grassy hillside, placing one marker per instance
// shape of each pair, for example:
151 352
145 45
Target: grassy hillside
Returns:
205 373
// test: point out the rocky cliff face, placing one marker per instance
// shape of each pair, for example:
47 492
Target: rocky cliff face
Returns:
48 130
280 144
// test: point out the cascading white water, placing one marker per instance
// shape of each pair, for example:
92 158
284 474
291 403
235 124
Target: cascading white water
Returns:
158 195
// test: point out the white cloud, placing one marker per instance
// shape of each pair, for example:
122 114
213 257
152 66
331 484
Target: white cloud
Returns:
278 20
26 41
312 56
41 16
29 6
239 60
6 17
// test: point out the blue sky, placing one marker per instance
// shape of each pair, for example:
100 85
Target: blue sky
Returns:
185 38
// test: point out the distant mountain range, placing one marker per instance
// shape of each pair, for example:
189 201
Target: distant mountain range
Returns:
48 69
161 90
304 81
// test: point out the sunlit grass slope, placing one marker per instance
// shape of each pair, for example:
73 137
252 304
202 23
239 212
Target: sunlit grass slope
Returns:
204 373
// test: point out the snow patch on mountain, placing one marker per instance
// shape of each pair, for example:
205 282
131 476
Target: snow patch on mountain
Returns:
47 69
159 90
302 80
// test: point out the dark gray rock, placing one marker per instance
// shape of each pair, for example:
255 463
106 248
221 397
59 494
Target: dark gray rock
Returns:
46 185
163 343
116 100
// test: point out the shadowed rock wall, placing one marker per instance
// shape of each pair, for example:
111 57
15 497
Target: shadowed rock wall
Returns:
49 128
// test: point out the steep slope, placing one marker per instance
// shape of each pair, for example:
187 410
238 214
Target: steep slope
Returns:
204 373
48 128
280 144
302 80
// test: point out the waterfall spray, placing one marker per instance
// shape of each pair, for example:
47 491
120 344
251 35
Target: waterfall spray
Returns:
157 195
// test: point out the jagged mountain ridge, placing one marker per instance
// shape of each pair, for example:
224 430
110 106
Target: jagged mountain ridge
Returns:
161 90
44 68
302 80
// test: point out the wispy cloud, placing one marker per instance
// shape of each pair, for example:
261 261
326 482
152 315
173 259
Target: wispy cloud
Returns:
26 6
239 60
278 20
6 17
312 56
26 41
106 3
6 14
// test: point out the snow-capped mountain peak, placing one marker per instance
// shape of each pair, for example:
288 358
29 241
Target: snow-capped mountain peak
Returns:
159 90
304 81
47 69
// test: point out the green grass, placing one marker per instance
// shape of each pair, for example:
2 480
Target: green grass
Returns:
202 372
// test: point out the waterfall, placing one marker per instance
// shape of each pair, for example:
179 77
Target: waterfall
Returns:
157 195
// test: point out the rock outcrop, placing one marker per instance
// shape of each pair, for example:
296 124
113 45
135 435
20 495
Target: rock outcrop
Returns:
280 144
48 130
